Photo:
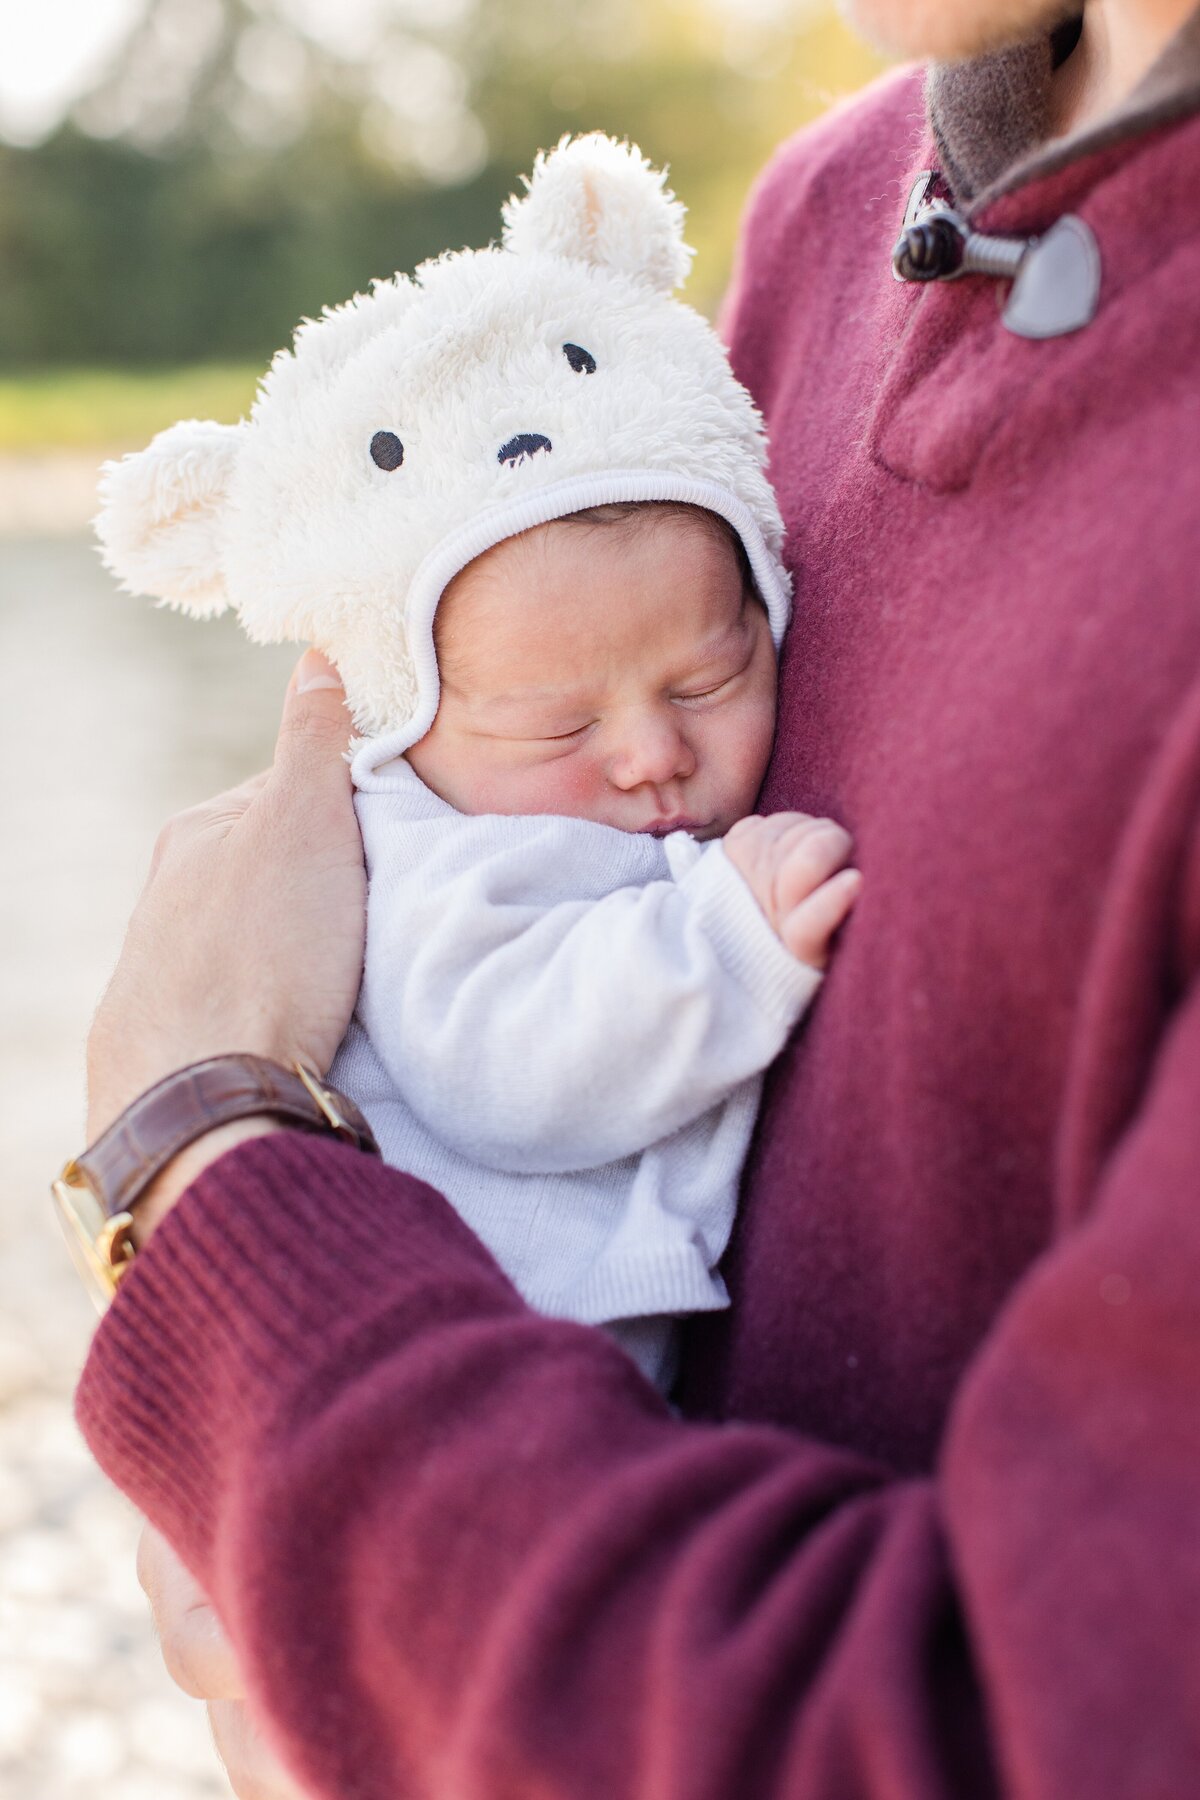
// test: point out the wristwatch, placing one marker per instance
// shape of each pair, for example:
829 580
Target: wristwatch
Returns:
97 1191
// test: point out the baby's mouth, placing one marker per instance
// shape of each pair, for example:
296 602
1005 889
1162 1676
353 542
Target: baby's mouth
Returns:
661 828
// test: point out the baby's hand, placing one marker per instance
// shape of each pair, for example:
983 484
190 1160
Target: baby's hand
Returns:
795 866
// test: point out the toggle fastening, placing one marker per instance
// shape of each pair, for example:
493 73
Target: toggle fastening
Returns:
1055 277
939 246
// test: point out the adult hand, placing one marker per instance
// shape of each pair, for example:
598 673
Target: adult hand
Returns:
248 935
201 1661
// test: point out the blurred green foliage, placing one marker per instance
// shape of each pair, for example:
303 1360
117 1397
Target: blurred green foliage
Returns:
117 409
114 255
142 235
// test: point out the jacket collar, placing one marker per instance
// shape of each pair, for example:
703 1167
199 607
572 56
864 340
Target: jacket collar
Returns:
990 116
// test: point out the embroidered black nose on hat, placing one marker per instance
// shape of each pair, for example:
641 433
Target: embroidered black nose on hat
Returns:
526 443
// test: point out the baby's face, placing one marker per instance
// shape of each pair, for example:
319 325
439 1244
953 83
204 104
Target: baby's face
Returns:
610 672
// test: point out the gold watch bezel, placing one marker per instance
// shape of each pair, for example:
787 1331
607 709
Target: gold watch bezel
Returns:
101 1248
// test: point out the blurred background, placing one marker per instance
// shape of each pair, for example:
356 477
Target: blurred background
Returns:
181 181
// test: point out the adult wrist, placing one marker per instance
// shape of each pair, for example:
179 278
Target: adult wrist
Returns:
119 1075
167 1187
112 1195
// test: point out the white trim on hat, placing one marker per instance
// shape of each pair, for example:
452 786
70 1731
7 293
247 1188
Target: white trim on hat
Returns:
575 493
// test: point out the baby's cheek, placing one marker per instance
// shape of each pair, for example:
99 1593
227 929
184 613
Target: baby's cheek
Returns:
736 756
569 784
563 784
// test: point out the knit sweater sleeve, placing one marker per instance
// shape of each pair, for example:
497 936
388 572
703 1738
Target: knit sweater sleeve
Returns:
463 1549
583 1028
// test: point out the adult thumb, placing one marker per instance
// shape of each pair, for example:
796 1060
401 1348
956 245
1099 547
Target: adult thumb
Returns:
315 726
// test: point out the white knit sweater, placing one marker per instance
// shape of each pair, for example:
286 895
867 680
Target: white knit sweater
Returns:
562 1027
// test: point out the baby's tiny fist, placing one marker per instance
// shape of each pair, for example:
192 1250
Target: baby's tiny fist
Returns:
808 930
753 846
794 865
806 855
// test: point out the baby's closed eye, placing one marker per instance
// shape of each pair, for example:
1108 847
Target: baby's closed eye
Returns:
533 733
706 693
710 686
562 737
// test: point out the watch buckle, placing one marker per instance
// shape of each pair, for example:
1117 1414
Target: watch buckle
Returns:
324 1100
115 1244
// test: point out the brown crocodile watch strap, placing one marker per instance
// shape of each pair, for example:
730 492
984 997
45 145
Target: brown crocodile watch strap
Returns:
122 1163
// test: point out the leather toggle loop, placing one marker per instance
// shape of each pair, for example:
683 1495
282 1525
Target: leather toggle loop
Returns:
931 249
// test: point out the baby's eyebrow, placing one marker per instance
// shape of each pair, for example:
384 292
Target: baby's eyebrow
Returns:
526 696
452 683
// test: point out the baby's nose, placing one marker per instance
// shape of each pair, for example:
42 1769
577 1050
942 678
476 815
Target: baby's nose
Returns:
654 753
526 443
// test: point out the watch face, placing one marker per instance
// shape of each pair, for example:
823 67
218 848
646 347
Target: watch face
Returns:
89 1235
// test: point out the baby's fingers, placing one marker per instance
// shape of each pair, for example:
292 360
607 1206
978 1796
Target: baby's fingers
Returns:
807 855
808 928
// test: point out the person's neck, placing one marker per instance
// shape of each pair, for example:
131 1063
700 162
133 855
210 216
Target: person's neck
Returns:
1119 43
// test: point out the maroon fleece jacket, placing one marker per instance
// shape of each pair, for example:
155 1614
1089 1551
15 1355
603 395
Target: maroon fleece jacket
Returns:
930 1526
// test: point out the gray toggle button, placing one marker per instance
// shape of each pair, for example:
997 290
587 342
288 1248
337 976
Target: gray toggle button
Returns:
1057 288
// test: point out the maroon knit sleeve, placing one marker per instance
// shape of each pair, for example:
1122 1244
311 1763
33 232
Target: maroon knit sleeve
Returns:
464 1550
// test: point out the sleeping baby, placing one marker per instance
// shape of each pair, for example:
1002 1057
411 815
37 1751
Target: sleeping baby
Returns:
581 953
520 501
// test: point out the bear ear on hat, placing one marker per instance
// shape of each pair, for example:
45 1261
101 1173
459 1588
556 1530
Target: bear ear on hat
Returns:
159 516
594 200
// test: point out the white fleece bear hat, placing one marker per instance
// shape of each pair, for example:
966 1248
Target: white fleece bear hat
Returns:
412 428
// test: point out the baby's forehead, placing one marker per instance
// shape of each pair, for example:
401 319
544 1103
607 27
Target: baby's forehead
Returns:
637 586
645 530
614 541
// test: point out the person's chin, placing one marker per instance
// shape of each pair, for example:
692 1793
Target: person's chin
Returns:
953 30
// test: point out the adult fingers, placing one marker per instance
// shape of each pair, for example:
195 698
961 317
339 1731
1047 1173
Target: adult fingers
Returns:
254 1772
315 728
197 1653
253 784
183 829
224 811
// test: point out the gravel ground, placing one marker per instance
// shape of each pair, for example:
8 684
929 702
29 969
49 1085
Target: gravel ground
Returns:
115 716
